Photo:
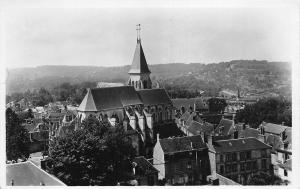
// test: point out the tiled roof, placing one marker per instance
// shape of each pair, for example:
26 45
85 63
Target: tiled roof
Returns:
139 63
145 165
154 97
228 126
88 103
28 174
196 127
249 132
273 128
110 98
187 102
180 144
235 145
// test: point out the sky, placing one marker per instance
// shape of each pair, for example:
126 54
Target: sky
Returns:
107 36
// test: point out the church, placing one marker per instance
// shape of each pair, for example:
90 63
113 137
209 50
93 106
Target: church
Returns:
137 105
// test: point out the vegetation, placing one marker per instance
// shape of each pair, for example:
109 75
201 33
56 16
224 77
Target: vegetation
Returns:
247 75
64 92
216 105
94 155
265 179
17 137
273 110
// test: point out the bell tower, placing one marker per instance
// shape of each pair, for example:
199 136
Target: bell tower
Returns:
139 73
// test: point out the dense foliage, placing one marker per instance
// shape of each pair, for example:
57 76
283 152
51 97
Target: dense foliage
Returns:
273 110
248 75
17 137
216 105
94 155
64 92
265 179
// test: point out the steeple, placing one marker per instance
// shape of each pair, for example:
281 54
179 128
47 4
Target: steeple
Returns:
139 71
139 63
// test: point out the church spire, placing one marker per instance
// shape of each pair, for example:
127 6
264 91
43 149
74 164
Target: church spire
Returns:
139 71
139 64
138 33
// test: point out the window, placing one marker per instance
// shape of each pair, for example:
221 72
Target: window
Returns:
285 173
254 165
228 168
264 164
263 153
242 156
234 157
189 165
222 169
248 155
228 157
221 158
242 166
248 166
234 167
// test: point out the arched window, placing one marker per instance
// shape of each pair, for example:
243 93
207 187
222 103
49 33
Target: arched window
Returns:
132 83
140 85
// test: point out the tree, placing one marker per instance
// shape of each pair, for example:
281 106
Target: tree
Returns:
17 137
265 179
94 155
216 105
274 110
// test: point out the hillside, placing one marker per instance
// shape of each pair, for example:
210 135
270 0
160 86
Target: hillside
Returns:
248 75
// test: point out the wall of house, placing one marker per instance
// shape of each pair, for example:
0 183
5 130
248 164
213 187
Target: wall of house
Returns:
159 160
239 168
187 167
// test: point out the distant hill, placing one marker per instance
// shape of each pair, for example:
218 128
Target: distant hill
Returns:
248 75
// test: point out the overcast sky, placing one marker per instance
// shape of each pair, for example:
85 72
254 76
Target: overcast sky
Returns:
107 37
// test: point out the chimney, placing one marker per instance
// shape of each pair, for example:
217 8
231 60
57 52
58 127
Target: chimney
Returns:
209 139
125 122
157 137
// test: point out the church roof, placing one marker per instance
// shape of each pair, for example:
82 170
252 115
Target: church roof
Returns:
88 103
154 96
109 98
139 63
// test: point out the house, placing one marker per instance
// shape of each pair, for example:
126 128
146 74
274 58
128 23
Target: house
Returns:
28 174
191 124
184 104
274 129
285 170
238 159
145 173
181 160
225 127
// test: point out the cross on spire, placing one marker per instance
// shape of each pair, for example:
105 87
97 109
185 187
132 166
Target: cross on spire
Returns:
138 31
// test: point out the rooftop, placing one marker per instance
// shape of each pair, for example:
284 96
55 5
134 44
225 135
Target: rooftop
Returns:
28 174
228 126
242 144
180 144
154 96
274 128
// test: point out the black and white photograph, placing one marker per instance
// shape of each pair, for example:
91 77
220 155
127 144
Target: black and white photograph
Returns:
149 94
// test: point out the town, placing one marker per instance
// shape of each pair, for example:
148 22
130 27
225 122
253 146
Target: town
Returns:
133 133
